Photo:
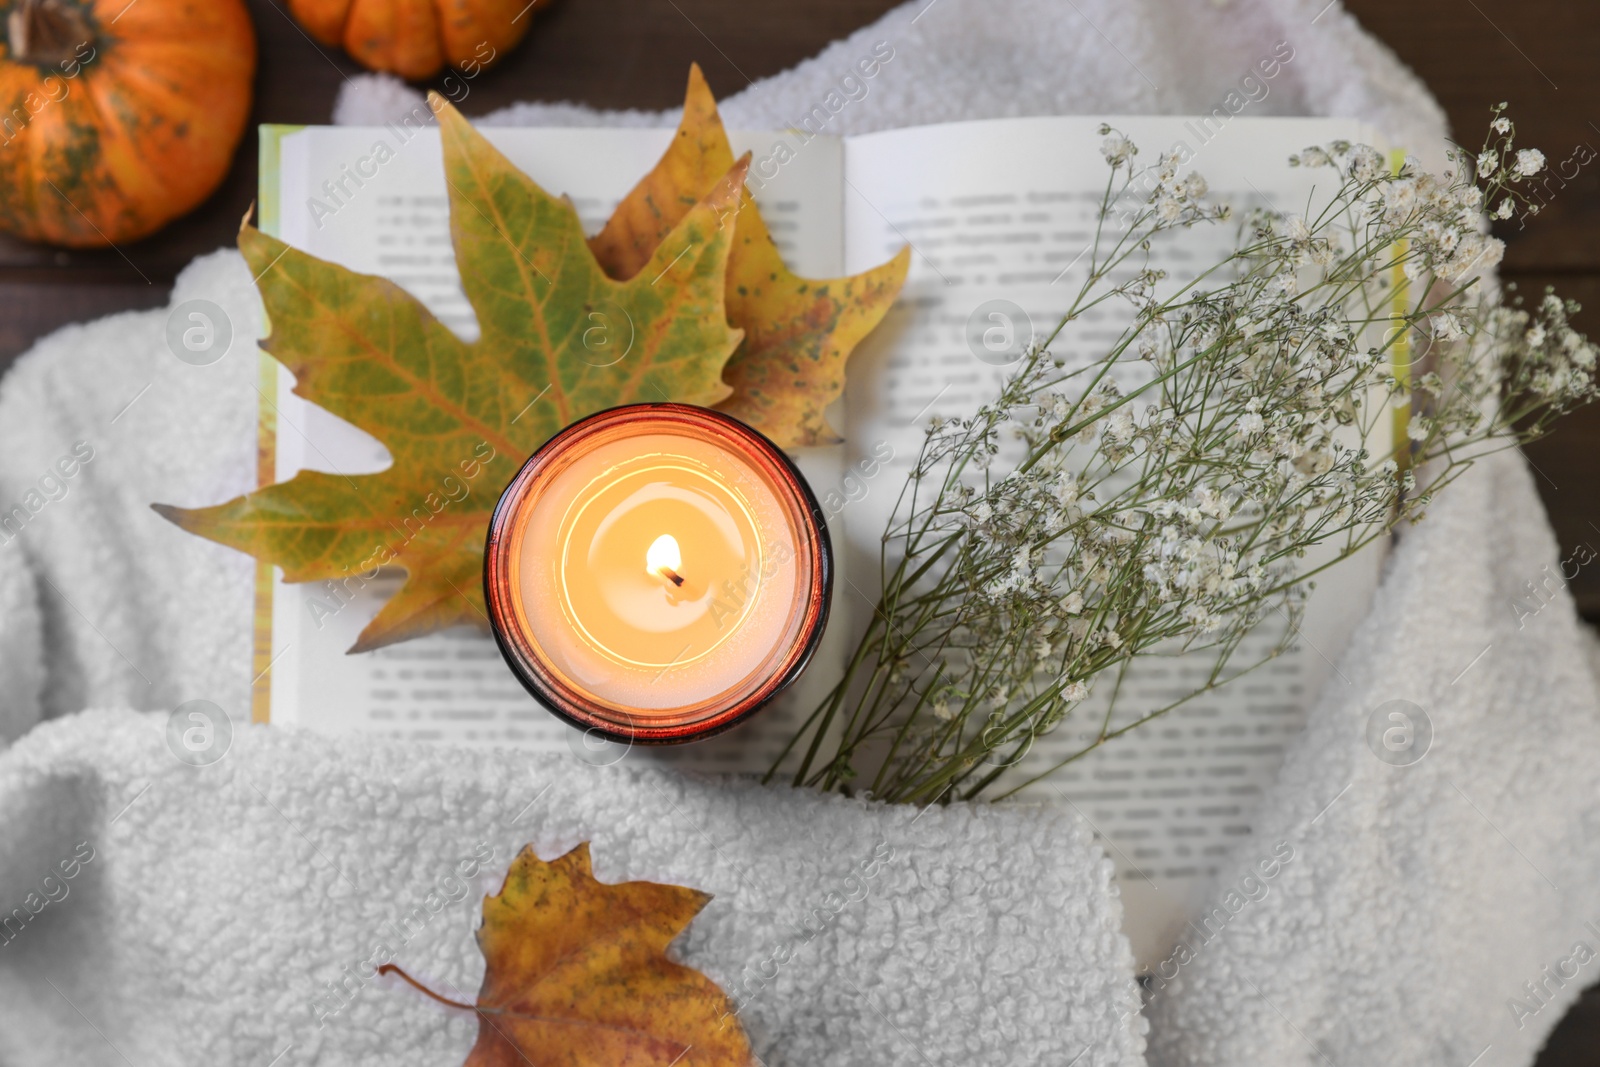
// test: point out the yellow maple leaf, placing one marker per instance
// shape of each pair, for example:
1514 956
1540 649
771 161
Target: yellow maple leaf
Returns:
798 332
460 417
576 973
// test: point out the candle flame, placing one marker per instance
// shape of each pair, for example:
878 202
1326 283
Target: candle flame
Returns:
663 558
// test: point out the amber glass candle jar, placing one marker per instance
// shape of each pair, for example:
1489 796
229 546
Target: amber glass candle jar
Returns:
656 573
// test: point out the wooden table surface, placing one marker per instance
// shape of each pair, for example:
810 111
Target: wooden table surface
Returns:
1538 54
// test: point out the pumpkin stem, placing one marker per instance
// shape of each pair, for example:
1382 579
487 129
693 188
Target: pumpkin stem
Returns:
47 32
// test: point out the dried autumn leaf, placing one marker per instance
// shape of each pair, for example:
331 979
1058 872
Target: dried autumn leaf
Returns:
576 974
798 332
453 413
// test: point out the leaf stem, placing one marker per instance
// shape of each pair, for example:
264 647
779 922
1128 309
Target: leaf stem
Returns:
390 968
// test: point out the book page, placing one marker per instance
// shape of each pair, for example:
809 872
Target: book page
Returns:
375 200
1000 216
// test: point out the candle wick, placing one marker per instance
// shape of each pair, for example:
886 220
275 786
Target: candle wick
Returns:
672 575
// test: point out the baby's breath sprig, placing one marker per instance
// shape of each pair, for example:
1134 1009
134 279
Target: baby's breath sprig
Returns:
1163 495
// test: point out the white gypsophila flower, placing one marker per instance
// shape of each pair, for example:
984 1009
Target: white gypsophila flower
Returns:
1366 163
1488 162
1501 125
1530 161
1399 200
1117 150
1194 186
1212 504
1119 428
1231 448
1313 157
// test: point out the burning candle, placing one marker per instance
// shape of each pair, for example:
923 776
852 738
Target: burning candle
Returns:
657 572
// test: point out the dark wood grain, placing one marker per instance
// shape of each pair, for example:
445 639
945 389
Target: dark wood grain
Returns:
606 53
38 305
1576 1041
1538 54
1566 464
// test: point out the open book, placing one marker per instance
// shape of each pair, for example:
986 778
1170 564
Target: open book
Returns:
994 211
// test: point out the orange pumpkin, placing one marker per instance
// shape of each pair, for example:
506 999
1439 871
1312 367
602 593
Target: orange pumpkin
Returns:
117 117
416 38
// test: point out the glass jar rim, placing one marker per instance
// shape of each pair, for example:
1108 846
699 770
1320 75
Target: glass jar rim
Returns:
723 710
